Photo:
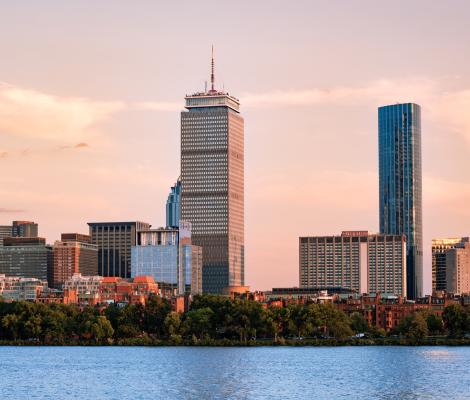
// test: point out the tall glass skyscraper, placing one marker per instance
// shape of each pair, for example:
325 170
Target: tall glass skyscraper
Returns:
212 184
173 205
400 184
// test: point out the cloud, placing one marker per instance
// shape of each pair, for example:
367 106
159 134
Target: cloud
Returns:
10 210
441 101
81 145
33 114
3 154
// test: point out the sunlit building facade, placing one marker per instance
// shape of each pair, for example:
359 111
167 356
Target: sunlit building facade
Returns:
356 260
400 197
212 185
440 251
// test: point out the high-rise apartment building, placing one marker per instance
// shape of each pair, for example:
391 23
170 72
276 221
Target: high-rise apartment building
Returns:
114 241
168 256
173 205
357 260
212 184
73 254
26 257
400 184
440 251
458 270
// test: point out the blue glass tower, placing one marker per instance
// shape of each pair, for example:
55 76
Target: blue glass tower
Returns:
173 205
400 184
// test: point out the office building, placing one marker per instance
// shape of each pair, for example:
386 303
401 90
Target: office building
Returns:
356 260
458 270
73 254
400 184
440 249
212 184
26 257
24 229
114 241
5 231
173 205
14 288
168 256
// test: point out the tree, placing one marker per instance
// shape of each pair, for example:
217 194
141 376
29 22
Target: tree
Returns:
172 324
10 324
455 320
414 326
435 324
358 323
198 322
336 322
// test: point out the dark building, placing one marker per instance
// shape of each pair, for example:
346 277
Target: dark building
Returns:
27 257
212 184
73 254
114 241
24 229
400 198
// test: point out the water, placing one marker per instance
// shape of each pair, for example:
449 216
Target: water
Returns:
234 373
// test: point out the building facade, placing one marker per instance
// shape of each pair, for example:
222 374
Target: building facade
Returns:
400 197
20 289
212 184
24 229
73 254
440 248
5 231
114 241
173 205
168 256
26 257
356 260
458 270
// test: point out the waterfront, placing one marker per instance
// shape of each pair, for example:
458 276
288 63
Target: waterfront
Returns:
234 373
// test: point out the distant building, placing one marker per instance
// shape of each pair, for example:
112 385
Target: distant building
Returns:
355 260
173 205
400 197
26 257
114 241
24 229
84 284
73 254
168 256
212 184
458 270
440 248
20 289
5 231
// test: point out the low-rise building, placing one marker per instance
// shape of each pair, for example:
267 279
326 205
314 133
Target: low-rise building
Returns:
21 289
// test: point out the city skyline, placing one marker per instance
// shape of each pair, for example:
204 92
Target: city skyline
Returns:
109 116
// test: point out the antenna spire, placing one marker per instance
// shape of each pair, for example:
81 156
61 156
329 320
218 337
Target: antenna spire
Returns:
212 71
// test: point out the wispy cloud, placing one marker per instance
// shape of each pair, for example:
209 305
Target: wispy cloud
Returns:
31 113
81 145
10 210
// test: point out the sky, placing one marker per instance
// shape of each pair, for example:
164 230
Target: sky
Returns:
91 94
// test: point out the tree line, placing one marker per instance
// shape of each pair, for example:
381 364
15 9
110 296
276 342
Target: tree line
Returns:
210 319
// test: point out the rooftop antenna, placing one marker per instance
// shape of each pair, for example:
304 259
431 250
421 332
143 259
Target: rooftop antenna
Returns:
212 71
205 87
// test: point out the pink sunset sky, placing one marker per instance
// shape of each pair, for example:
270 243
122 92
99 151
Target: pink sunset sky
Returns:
90 95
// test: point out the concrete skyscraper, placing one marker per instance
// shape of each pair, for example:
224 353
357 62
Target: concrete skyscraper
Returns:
212 182
400 184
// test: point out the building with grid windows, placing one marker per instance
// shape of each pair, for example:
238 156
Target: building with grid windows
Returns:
400 184
114 241
356 260
440 251
168 256
173 205
212 184
73 254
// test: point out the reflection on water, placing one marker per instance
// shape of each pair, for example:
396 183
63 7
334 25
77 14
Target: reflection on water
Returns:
234 373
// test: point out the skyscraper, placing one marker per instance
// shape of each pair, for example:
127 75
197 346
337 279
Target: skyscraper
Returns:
400 184
212 184
173 205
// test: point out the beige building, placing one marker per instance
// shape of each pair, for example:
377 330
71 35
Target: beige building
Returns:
458 270
440 248
357 260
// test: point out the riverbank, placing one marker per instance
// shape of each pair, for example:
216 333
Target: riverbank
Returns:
147 341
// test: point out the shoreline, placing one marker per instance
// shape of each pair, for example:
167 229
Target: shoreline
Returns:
147 342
